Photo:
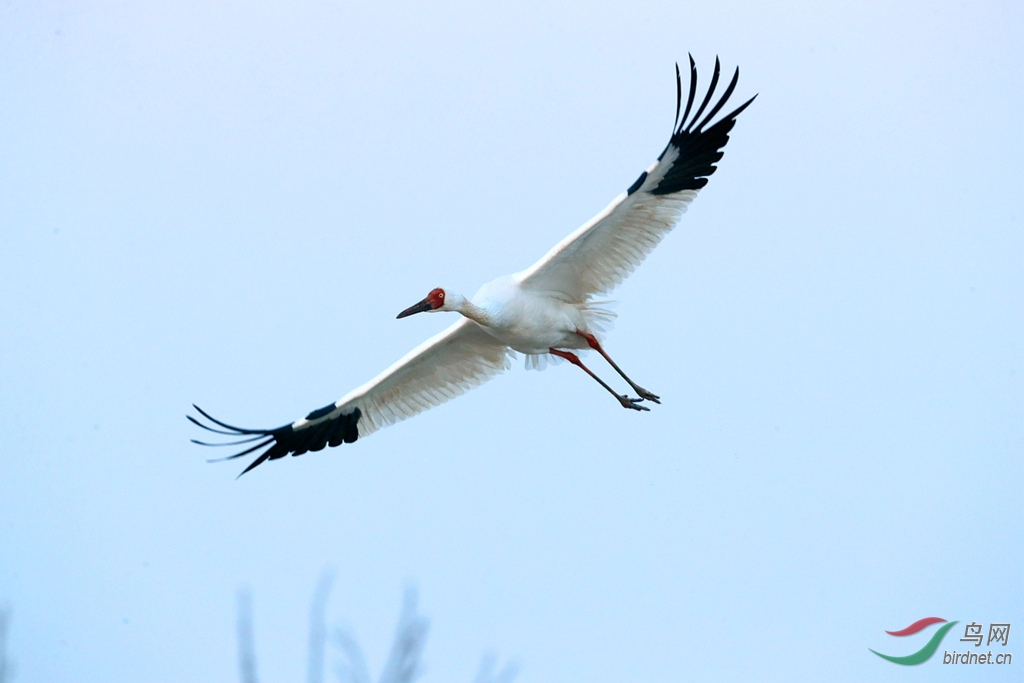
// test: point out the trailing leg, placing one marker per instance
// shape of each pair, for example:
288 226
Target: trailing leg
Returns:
596 345
623 400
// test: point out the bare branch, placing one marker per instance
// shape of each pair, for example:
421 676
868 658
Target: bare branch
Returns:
318 628
486 673
6 666
353 669
403 665
246 641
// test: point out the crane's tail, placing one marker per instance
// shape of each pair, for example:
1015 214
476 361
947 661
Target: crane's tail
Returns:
599 317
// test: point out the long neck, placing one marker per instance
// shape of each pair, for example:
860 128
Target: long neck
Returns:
475 313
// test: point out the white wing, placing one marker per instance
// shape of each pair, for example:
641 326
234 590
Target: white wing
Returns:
441 368
603 252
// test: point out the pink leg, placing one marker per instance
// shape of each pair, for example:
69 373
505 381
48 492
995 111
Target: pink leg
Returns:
625 401
596 345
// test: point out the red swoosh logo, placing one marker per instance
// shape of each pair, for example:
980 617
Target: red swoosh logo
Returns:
917 626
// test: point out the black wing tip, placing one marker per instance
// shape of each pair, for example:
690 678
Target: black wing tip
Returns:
738 110
689 124
699 145
283 440
266 437
679 95
707 98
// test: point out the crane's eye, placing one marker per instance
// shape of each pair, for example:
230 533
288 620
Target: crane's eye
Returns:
440 295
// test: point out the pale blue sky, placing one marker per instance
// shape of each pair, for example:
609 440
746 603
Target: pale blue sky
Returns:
228 204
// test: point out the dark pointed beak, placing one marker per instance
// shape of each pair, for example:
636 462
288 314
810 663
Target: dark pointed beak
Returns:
422 306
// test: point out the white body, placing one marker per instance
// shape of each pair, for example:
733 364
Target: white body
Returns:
527 321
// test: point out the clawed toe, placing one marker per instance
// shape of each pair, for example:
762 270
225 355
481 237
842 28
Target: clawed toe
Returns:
647 395
632 403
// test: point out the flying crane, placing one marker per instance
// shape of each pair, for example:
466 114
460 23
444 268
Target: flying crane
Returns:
546 310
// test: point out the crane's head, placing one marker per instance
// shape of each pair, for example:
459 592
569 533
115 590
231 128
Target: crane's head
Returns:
435 301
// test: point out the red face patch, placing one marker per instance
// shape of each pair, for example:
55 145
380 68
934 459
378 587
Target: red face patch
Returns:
436 298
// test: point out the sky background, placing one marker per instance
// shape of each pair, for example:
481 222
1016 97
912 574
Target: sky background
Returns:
228 204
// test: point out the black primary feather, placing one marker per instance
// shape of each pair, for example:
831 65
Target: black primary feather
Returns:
693 89
699 148
284 440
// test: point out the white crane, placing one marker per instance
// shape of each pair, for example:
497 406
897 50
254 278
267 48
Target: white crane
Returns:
548 308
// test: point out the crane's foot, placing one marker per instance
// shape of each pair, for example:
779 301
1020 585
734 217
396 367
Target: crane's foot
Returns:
631 403
646 395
